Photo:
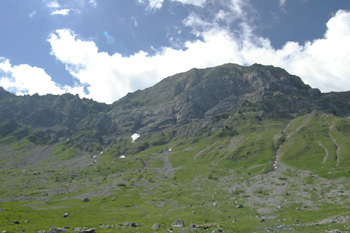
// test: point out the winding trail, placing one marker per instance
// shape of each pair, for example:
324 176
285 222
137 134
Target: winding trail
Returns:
325 149
278 154
335 142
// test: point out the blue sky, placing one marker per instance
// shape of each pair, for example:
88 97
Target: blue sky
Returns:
103 49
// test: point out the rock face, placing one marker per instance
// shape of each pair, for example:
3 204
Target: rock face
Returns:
199 95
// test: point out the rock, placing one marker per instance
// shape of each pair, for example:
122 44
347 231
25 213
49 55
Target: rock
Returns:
77 229
235 220
192 225
239 206
215 204
38 231
217 230
262 220
155 226
129 224
170 229
86 199
15 222
53 230
179 223
93 230
193 212
61 230
65 215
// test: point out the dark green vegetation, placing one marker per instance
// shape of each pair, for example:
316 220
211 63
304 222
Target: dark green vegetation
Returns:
210 140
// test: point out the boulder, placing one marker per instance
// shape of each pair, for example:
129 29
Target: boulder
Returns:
179 223
86 199
65 215
53 230
239 206
155 226
93 230
129 224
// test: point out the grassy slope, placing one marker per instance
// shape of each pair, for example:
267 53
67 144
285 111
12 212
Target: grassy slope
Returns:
156 185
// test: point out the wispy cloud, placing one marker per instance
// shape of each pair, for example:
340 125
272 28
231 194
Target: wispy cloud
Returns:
282 2
63 12
32 14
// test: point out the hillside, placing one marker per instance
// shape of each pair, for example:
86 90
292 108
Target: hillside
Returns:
247 149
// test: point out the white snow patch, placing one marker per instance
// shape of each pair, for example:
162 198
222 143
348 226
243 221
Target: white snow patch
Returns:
134 137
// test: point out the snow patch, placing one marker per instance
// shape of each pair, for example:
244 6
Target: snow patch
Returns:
134 137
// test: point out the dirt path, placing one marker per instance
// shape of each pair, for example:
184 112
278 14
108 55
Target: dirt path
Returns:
325 149
335 142
235 141
277 163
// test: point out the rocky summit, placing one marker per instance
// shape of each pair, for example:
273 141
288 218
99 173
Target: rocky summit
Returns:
227 149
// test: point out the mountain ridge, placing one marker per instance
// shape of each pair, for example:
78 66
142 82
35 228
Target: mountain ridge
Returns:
245 149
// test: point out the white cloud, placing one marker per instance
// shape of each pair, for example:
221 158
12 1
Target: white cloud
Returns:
152 4
192 2
323 63
63 12
282 2
25 79
53 4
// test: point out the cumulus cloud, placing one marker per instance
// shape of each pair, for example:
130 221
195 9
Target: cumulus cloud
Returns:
322 63
25 79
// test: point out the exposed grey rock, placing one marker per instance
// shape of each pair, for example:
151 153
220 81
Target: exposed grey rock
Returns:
239 206
215 204
262 220
217 230
77 229
155 226
42 231
65 215
15 222
93 230
86 199
179 223
53 230
129 224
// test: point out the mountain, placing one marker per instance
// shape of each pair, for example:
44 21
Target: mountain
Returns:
231 148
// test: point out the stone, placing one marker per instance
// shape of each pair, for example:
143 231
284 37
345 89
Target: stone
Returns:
179 223
239 206
262 220
93 230
129 224
86 199
15 222
38 231
53 230
65 215
155 226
